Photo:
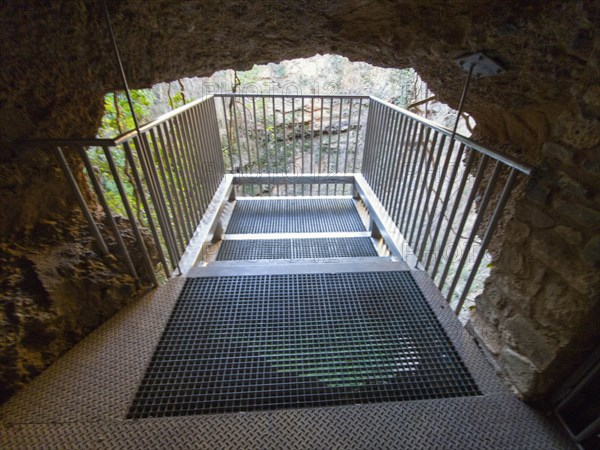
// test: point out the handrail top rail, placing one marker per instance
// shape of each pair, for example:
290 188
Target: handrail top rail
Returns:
74 142
119 139
328 96
499 156
127 136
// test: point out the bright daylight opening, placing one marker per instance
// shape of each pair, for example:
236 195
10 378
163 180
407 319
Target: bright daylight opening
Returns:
310 116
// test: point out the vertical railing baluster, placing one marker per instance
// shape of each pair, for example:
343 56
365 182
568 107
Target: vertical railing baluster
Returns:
410 170
233 104
259 168
458 196
465 215
134 226
185 166
375 116
180 241
107 212
173 133
284 143
367 150
216 162
172 164
321 142
312 140
64 165
329 134
394 163
492 224
378 147
424 170
181 173
293 145
357 136
192 147
209 155
266 135
385 161
406 127
302 149
250 169
420 246
382 148
347 150
158 201
198 130
414 186
339 138
229 147
482 208
449 184
275 140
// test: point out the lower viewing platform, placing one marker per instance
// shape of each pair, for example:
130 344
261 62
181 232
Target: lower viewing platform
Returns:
299 327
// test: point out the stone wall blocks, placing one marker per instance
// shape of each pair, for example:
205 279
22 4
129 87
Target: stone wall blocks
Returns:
533 215
530 341
558 152
520 292
512 260
539 187
517 231
520 370
569 235
591 251
563 258
576 212
557 307
577 131
486 332
573 187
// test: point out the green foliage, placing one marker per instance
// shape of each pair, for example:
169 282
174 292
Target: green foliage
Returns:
177 100
117 115
118 119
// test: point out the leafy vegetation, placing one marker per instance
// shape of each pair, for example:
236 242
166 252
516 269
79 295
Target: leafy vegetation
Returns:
118 119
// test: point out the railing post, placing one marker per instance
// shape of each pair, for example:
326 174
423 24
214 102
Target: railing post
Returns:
130 215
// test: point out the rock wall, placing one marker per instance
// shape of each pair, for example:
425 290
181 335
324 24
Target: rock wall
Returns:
538 310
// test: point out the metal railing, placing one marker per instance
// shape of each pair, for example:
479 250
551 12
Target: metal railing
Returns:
172 168
293 135
445 194
446 210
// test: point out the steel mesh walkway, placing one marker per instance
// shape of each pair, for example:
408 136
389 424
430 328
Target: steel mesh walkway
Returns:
292 249
303 215
82 400
285 341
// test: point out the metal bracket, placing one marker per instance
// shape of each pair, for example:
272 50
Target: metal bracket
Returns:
484 66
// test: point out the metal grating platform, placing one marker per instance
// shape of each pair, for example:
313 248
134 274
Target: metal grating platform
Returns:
292 249
81 401
304 340
303 215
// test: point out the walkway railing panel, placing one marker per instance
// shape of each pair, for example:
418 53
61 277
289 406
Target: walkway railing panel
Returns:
161 180
446 208
446 194
292 134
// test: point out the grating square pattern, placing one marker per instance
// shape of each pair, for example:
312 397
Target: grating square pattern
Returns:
303 215
267 342
292 249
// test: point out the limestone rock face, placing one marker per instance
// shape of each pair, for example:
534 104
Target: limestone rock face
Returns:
57 64
55 289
